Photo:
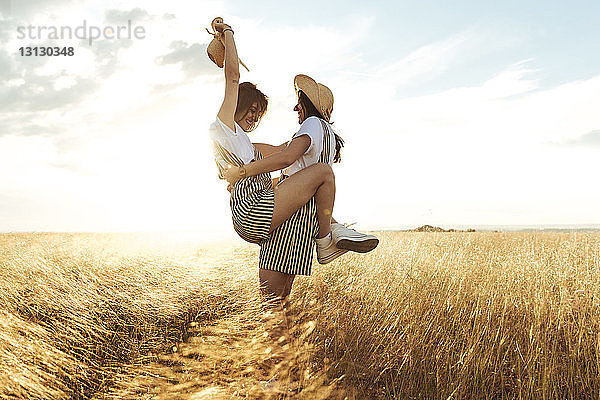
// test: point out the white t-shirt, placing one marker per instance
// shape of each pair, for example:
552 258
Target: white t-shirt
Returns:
312 128
236 142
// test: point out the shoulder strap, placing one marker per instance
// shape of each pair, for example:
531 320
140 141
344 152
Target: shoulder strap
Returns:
325 156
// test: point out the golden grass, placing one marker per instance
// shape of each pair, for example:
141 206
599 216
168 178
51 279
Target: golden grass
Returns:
426 315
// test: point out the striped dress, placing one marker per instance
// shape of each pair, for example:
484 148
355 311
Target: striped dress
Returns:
252 198
289 249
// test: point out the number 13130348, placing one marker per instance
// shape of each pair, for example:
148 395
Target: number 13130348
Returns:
46 51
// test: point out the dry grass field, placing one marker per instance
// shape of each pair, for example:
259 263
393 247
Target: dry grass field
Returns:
426 315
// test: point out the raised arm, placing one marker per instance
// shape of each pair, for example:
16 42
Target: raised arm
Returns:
232 76
274 162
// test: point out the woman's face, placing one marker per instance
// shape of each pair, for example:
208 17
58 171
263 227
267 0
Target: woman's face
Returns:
300 110
248 121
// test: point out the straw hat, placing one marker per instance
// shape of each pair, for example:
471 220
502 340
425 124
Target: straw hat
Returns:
216 52
318 94
216 48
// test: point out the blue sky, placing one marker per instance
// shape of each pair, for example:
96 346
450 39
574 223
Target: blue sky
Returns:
562 37
454 113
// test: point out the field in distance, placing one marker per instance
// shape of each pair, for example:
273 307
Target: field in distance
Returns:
460 315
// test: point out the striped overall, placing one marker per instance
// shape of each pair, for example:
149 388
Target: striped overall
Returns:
289 249
252 198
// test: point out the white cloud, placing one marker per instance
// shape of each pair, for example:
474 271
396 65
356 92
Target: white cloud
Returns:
510 82
466 150
427 61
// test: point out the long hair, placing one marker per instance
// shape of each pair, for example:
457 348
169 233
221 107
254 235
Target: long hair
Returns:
311 111
248 94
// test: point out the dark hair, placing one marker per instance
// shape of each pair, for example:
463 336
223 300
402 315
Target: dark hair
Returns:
311 111
248 94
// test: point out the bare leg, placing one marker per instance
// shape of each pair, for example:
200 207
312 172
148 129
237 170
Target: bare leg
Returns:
288 287
317 180
273 284
276 285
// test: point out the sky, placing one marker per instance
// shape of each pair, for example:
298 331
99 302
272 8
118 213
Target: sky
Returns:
454 113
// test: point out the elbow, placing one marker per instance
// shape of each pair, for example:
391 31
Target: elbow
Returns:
287 160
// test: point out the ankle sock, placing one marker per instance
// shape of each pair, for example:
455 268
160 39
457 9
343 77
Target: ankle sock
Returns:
325 240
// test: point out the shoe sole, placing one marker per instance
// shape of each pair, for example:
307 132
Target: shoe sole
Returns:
363 246
332 256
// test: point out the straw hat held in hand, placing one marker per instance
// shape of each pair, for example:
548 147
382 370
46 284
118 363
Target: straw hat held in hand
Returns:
216 48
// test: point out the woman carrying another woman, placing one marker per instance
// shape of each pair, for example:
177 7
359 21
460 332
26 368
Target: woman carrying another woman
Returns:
288 251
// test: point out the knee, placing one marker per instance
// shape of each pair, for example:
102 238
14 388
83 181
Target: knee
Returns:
326 171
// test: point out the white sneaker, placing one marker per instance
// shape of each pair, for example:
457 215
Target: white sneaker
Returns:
326 250
349 239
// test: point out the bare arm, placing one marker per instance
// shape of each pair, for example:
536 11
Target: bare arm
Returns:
274 162
232 77
267 149
281 159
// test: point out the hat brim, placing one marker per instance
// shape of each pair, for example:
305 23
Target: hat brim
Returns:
310 88
305 83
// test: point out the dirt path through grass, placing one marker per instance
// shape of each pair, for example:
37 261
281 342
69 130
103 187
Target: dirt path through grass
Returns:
230 359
